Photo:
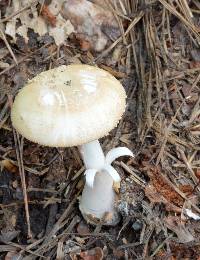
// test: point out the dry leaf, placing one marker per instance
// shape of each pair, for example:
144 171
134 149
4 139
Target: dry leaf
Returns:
92 23
4 65
119 254
184 251
174 224
3 52
28 18
8 236
50 21
92 254
83 228
85 45
9 166
198 174
61 31
115 73
186 188
55 6
155 197
38 25
10 29
194 64
48 16
162 187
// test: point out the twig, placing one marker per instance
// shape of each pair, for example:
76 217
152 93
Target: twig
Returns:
19 151
187 163
191 26
25 249
23 59
161 245
57 225
132 24
8 46
133 176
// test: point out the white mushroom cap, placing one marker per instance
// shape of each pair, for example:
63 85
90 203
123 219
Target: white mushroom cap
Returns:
68 106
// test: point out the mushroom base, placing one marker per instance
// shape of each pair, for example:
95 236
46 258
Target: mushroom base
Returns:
97 203
109 219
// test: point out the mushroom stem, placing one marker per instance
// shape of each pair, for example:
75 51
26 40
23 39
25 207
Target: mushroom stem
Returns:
92 155
98 195
99 200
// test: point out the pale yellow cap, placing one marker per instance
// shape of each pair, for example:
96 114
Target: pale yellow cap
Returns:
68 106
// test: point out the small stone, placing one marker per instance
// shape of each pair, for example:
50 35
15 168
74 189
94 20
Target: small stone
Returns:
83 228
123 208
137 225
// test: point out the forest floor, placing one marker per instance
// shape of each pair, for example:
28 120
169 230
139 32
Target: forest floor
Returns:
154 51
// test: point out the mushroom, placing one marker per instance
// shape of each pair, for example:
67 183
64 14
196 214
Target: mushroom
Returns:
76 105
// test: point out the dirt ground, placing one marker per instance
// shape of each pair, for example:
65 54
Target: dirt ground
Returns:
154 52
